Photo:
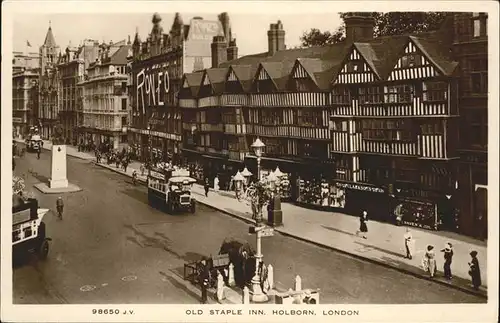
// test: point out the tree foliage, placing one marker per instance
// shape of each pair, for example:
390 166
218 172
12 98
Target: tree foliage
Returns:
386 24
258 195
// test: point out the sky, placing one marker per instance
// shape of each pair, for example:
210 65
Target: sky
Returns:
250 30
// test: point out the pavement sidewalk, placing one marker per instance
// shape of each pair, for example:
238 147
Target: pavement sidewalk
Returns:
385 243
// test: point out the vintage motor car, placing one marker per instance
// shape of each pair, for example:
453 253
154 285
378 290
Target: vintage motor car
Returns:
170 190
33 143
28 230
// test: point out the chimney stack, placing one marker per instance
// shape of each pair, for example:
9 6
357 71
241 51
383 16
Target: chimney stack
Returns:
219 51
275 38
359 27
232 50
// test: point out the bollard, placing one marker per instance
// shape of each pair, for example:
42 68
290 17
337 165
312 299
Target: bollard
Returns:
246 295
231 281
298 283
220 287
270 276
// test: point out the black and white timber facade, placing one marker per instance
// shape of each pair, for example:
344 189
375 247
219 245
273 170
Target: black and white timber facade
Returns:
365 124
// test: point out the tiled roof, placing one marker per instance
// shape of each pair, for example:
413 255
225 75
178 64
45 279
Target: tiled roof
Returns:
120 56
245 75
194 80
323 63
217 77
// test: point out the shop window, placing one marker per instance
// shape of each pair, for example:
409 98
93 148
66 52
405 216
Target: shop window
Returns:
398 94
372 94
341 95
435 91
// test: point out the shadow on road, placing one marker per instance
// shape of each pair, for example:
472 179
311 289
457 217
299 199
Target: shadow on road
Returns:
396 254
136 194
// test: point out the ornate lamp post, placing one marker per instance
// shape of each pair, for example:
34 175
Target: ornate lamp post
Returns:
275 215
258 146
257 295
150 148
238 183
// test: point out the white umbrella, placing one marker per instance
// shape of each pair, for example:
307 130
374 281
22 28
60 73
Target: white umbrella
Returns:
238 177
278 172
246 172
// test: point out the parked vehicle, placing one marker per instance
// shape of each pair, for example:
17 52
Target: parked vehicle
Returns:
28 231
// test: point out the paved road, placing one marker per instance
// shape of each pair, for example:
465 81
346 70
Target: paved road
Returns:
117 249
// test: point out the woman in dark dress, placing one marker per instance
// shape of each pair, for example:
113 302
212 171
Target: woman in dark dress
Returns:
474 270
448 256
362 224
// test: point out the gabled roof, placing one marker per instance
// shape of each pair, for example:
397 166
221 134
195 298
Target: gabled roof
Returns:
193 80
323 63
217 78
437 54
50 41
244 74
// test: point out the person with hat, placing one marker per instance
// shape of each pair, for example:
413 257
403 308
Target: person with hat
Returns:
474 270
429 261
362 224
448 255
409 244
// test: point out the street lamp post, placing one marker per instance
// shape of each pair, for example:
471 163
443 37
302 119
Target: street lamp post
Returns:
275 215
150 148
257 295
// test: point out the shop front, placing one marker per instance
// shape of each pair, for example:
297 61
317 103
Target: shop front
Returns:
427 209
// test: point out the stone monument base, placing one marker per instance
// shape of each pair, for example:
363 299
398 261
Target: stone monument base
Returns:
69 188
58 183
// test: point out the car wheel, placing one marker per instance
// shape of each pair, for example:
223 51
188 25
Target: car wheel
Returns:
44 249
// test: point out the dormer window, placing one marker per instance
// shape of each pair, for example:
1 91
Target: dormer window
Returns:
411 60
355 66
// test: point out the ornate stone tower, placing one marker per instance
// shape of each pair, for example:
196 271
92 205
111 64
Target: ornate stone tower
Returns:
48 52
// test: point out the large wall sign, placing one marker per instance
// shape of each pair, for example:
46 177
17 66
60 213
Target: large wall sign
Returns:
152 87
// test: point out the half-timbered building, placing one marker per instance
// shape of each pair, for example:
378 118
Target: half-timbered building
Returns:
364 124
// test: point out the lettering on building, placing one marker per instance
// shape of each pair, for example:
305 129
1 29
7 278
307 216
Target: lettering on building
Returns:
152 87
360 187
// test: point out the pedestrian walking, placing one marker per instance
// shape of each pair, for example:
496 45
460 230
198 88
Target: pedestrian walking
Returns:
429 261
363 228
59 207
205 274
39 150
207 186
409 244
448 256
474 270
216 183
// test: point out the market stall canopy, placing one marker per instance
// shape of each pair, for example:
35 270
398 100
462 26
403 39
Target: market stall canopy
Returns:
278 172
238 177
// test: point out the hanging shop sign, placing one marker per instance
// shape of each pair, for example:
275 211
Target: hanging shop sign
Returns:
153 85
361 187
